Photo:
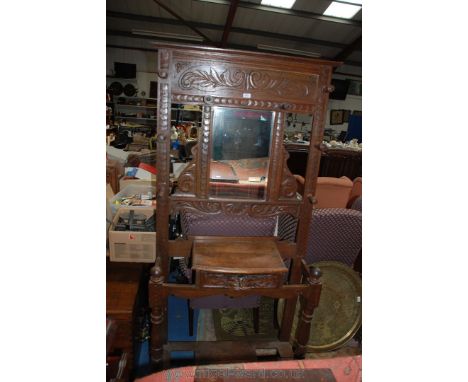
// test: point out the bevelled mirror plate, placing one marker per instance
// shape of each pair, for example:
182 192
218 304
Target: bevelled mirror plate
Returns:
240 154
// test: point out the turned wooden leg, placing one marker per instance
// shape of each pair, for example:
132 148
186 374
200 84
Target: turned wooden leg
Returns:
158 304
290 303
190 318
275 314
309 301
256 319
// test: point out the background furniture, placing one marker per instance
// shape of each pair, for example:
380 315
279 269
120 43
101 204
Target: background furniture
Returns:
113 172
357 204
126 297
334 235
333 162
330 192
356 191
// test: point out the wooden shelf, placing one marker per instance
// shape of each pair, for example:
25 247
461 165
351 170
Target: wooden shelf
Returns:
139 106
127 117
121 96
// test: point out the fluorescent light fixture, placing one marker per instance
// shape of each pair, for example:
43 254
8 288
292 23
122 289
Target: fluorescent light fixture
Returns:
163 35
287 50
279 3
344 11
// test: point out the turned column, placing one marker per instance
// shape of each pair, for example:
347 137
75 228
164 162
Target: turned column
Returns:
158 304
309 300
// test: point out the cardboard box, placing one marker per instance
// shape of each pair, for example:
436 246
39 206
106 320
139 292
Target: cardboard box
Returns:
130 190
130 246
139 182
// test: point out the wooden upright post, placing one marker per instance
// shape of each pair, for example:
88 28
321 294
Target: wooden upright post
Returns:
158 303
309 301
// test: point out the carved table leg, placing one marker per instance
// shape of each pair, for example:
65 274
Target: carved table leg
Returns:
158 303
309 301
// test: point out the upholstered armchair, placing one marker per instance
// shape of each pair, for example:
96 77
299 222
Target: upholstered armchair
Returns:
330 192
356 191
357 204
335 234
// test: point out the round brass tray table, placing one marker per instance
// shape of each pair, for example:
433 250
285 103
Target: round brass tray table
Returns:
338 315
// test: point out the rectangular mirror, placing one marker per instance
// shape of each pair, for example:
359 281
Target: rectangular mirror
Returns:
240 153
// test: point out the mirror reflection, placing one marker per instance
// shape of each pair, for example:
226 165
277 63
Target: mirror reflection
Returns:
298 128
240 153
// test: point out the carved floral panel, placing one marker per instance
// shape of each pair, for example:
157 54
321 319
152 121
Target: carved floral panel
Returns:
236 80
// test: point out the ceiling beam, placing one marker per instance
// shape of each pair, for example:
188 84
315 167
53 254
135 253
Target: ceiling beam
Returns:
111 32
182 20
197 24
229 20
346 52
120 33
289 12
133 48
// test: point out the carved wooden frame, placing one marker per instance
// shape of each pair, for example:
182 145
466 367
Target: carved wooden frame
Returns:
216 77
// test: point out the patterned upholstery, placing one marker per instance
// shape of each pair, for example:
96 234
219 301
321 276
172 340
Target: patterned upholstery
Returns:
356 191
332 192
225 225
357 204
287 227
335 234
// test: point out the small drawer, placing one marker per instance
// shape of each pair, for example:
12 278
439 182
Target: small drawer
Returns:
238 281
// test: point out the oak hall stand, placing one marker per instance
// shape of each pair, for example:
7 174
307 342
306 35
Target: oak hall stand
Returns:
245 97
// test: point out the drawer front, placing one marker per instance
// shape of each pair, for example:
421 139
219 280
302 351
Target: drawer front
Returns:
238 281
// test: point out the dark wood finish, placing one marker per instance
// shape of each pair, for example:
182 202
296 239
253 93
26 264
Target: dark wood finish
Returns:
123 286
309 301
190 291
190 318
244 255
158 302
333 163
337 163
112 176
227 351
245 263
181 247
256 319
234 266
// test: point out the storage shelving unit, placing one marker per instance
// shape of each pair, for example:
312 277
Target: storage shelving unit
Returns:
180 115
141 113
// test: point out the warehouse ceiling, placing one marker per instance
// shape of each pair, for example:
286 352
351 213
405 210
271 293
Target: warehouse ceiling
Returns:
302 30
